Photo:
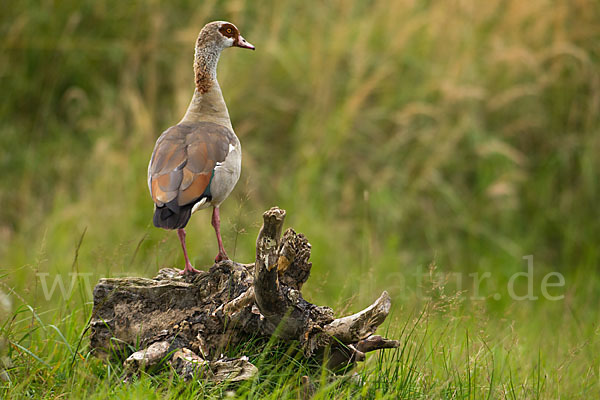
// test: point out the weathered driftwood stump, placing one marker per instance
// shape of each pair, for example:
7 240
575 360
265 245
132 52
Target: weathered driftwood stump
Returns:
191 320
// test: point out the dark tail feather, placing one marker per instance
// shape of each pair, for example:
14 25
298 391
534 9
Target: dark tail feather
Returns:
168 219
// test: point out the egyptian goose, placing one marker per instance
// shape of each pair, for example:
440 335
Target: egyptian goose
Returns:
196 163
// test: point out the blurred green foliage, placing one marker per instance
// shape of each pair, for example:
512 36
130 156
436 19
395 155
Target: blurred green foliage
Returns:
395 134
456 129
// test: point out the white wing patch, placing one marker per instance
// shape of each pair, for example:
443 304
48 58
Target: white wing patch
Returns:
199 205
220 164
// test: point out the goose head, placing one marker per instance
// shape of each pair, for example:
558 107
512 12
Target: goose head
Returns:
222 34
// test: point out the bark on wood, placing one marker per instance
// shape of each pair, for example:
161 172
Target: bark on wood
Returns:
191 320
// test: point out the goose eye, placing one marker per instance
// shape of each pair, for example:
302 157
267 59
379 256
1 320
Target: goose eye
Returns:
229 30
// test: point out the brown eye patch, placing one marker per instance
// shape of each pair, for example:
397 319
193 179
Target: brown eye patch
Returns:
229 31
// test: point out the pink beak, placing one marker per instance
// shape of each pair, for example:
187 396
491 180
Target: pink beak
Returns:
241 42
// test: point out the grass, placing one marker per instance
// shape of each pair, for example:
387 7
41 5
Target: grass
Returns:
397 135
445 353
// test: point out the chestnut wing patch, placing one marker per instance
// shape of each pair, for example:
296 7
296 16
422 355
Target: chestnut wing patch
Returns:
184 160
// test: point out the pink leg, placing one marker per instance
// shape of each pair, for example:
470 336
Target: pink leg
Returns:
188 265
216 223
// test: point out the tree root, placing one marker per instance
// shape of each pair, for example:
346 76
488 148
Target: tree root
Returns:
190 321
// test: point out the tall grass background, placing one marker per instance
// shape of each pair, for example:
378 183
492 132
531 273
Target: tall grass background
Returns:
413 142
